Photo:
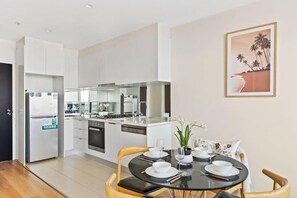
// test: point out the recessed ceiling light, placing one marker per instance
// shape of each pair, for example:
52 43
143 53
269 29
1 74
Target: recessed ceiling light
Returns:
48 31
89 6
17 23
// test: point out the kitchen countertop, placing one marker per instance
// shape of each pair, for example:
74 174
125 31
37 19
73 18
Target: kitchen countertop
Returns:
144 121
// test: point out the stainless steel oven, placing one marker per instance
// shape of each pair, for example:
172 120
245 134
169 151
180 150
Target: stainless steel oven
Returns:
96 140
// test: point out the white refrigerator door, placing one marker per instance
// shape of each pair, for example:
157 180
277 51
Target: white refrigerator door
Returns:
43 138
43 104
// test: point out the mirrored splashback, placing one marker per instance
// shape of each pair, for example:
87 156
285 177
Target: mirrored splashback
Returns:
152 100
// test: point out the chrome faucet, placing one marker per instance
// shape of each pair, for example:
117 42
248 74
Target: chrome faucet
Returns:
139 106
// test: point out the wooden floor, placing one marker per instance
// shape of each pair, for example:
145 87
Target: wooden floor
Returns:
78 177
16 181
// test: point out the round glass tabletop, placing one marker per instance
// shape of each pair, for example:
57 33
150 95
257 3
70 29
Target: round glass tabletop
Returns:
195 179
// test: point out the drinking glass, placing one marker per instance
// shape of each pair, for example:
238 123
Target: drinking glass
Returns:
160 146
179 154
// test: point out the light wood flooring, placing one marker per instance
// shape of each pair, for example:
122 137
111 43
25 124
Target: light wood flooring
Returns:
77 177
17 182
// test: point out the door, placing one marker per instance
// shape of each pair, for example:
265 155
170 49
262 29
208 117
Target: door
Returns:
43 104
42 142
5 112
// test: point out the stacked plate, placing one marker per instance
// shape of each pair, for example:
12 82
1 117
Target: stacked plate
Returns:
161 170
222 168
159 154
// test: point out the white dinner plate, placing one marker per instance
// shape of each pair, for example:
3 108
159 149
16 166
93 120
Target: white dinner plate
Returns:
233 171
201 157
151 172
163 154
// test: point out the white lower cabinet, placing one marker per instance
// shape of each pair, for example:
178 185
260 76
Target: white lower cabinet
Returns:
80 144
131 139
68 134
80 135
112 141
116 139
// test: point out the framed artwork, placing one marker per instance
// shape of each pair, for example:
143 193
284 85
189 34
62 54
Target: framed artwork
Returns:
251 62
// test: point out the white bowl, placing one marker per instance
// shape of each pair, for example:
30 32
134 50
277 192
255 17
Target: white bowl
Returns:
221 166
200 151
161 167
154 151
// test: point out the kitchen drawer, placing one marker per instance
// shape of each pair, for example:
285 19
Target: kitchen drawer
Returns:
80 144
80 124
81 133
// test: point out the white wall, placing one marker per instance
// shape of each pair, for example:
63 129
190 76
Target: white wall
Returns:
7 55
266 126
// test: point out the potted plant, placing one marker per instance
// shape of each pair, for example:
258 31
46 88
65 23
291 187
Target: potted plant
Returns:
184 133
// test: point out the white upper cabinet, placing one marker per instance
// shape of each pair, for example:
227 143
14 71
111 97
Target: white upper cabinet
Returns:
54 59
71 68
136 57
88 71
34 59
42 57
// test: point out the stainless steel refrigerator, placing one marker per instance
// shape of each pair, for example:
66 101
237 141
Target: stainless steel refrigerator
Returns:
41 126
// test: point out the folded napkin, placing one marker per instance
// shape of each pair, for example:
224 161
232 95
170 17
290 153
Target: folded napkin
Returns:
248 182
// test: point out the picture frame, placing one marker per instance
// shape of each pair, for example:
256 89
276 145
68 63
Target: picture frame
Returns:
251 62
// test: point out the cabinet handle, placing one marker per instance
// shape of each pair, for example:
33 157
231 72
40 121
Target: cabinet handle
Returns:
112 123
94 129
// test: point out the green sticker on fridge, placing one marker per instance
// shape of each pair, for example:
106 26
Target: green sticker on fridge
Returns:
50 125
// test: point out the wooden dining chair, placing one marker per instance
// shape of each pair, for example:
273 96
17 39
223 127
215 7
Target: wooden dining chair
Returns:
281 189
113 193
132 185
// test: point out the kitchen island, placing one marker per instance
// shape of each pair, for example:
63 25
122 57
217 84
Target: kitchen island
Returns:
119 133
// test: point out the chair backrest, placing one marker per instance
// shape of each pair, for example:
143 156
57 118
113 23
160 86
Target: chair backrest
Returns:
113 193
281 188
128 151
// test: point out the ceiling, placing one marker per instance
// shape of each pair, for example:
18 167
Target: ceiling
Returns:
70 22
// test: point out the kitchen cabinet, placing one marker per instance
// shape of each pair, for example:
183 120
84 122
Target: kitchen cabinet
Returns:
68 134
131 139
54 59
71 68
80 135
112 141
140 56
88 70
34 59
42 57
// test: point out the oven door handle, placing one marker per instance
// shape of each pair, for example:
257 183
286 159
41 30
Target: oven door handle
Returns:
94 129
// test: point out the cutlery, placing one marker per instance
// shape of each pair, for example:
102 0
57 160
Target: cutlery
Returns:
238 167
146 160
182 174
172 178
176 179
214 176
142 172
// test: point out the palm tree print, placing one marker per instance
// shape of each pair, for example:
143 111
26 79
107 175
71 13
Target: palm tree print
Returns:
260 47
259 53
264 44
245 62
254 48
240 57
256 64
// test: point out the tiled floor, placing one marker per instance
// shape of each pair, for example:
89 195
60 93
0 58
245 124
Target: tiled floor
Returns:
74 176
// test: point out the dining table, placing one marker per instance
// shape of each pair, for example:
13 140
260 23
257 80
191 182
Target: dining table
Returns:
195 179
